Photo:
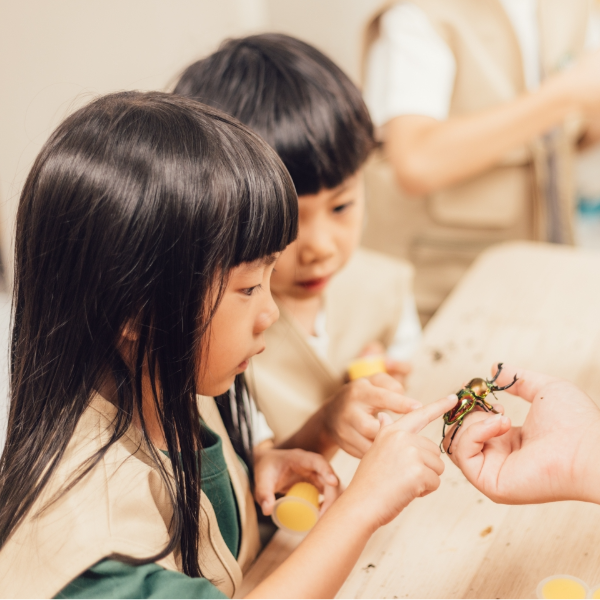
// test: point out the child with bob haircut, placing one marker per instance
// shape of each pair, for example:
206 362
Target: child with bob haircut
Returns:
337 301
147 231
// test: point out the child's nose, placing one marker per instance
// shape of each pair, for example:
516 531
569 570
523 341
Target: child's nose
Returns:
316 247
267 317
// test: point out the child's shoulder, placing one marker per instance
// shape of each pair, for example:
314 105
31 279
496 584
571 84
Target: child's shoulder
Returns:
376 270
371 280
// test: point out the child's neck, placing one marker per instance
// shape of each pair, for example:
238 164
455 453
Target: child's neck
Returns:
304 311
108 391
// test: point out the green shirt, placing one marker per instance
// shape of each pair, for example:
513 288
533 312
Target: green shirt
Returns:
114 579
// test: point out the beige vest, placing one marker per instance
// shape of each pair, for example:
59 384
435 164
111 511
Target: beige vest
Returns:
363 303
443 233
122 507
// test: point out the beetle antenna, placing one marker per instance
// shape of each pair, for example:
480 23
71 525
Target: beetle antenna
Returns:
497 373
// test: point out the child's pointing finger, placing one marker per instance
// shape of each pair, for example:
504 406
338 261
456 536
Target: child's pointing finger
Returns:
418 419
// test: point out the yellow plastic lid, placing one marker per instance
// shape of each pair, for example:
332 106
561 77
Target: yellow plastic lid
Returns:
298 510
366 366
562 586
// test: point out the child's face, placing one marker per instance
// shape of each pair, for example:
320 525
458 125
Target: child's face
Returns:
236 332
329 231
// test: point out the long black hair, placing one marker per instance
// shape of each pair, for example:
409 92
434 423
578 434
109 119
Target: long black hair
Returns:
135 207
295 98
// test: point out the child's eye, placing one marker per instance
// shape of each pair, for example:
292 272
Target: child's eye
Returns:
249 291
342 207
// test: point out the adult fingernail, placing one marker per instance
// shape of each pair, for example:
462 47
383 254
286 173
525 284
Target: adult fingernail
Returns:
332 480
453 397
494 419
416 404
265 507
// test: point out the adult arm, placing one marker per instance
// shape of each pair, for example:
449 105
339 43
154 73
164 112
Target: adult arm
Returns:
428 154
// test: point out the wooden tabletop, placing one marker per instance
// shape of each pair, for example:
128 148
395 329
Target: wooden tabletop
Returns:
533 305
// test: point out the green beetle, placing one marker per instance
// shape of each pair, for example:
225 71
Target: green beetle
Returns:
472 395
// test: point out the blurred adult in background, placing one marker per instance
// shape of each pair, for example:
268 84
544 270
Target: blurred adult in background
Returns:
481 105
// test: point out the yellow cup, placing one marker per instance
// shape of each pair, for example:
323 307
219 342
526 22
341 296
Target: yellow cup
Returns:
298 510
562 586
595 592
366 366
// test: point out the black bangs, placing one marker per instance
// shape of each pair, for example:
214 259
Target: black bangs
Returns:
295 98
262 203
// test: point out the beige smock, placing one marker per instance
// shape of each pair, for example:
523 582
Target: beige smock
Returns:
444 232
363 303
121 506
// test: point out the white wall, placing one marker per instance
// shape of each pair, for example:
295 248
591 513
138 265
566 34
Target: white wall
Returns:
55 55
334 26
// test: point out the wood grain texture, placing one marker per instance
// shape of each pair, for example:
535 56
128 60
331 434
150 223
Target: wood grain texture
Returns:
533 305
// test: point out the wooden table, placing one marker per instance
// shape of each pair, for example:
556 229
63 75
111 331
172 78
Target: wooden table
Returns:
533 305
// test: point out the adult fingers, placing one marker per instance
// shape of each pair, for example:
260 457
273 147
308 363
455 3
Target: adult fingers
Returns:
528 384
467 453
418 419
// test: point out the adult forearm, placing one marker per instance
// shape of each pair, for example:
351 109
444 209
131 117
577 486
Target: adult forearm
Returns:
429 155
324 559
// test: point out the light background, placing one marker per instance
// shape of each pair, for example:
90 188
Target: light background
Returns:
56 55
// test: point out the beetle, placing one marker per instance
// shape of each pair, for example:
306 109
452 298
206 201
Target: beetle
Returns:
472 395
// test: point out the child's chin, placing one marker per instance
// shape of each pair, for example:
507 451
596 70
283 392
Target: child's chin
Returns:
216 389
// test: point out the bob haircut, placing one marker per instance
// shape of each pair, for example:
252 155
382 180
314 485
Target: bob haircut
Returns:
138 204
295 97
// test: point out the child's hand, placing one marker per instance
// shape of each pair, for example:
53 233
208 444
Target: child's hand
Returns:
554 456
400 466
275 471
350 417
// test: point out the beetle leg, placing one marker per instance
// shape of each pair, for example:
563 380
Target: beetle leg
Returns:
487 407
453 436
443 438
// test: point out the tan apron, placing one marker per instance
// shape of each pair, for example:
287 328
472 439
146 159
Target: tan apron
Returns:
121 506
444 232
363 303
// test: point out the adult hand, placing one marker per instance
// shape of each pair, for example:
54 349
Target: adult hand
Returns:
553 456
580 82
350 416
275 471
401 465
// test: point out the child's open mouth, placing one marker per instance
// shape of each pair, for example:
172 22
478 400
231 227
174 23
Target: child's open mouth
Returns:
314 285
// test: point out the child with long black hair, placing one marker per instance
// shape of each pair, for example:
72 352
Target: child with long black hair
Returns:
146 236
